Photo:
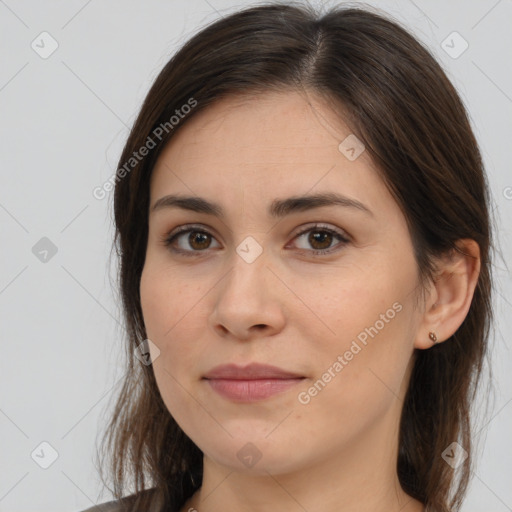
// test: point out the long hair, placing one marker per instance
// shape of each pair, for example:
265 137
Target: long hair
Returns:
398 101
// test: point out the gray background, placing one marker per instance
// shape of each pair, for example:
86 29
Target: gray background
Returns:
64 120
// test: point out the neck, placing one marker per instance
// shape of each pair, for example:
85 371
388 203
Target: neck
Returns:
361 478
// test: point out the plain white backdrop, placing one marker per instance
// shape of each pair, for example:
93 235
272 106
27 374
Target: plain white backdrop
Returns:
72 77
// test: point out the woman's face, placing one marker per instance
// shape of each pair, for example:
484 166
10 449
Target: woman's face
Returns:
330 308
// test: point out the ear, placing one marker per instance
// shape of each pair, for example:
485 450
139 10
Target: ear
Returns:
450 295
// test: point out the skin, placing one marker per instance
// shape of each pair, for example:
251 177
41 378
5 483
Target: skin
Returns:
289 308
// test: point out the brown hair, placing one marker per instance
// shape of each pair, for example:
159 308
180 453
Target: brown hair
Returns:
398 101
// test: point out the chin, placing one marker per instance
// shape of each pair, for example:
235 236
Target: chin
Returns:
255 454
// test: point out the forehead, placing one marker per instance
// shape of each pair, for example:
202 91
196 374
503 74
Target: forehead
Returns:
264 146
282 126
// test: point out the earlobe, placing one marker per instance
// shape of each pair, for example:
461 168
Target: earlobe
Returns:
450 295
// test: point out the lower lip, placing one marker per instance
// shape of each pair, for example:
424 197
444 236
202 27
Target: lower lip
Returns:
251 390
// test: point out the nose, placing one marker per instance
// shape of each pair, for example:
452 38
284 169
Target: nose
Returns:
248 302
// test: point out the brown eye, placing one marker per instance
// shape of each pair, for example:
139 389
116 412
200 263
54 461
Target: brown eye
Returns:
197 241
320 238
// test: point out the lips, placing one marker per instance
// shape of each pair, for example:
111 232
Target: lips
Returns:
253 371
252 382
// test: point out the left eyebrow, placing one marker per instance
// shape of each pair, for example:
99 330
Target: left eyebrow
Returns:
278 208
281 207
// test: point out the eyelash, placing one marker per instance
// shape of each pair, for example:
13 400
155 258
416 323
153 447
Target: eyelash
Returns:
168 240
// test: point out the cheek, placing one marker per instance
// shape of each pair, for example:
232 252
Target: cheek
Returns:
166 306
340 309
357 382
165 299
174 318
365 320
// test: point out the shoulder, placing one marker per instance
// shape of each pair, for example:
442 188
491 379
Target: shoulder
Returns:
121 505
110 506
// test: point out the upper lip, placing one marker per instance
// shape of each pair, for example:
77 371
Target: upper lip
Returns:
252 371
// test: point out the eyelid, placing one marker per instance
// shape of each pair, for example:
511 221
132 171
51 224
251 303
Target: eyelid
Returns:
186 227
320 226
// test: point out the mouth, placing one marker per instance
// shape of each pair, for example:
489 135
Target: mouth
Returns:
250 383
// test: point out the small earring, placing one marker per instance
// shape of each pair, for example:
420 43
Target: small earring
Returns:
432 336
